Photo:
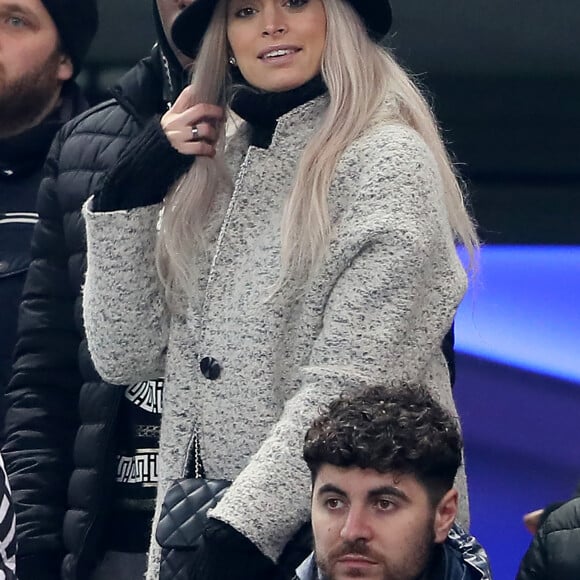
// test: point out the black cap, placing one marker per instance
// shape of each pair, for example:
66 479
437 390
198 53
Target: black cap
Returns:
190 26
77 22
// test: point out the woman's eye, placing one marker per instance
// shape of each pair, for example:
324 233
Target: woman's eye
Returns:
244 12
296 3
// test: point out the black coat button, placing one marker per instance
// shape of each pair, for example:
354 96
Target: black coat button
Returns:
210 368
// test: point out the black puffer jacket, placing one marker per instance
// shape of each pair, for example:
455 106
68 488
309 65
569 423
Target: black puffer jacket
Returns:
555 550
61 418
21 160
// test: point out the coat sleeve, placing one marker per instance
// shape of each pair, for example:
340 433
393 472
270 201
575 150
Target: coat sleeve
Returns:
124 304
124 307
533 565
396 289
42 398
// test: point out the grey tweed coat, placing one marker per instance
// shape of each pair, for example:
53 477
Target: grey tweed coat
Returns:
376 311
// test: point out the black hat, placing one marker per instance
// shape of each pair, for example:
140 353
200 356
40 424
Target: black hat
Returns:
190 26
77 22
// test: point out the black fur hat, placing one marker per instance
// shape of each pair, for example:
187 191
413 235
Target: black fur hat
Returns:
190 26
77 22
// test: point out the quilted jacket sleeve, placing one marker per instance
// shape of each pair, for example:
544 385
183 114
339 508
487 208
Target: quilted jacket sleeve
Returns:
42 398
555 549
534 566
143 173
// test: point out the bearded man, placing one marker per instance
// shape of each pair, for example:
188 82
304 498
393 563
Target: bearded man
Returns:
383 463
81 455
42 46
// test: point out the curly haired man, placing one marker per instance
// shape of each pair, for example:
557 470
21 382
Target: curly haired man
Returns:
383 465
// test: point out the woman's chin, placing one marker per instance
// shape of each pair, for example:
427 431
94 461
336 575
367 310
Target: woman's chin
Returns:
280 85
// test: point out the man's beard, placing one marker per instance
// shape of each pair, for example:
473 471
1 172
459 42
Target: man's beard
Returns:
25 101
413 567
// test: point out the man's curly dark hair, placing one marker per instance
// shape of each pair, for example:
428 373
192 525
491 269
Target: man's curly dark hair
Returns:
400 429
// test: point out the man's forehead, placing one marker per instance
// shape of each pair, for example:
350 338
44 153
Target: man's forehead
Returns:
355 479
20 5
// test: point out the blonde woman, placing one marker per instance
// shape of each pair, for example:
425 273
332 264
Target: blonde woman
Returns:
310 255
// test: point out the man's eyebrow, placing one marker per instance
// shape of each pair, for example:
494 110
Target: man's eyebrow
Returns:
388 490
18 8
330 488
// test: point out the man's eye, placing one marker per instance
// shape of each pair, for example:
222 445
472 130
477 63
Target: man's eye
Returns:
333 503
15 21
385 504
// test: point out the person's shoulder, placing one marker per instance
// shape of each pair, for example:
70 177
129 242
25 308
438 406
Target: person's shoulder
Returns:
557 545
386 141
566 517
94 138
389 154
134 99
90 143
108 117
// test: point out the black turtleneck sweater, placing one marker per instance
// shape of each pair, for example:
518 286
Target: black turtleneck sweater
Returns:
262 109
21 160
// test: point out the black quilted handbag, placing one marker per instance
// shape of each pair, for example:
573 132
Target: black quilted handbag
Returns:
183 517
182 521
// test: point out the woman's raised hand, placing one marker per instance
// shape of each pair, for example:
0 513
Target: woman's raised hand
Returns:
192 130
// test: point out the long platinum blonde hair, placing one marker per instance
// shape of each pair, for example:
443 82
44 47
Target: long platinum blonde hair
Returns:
361 76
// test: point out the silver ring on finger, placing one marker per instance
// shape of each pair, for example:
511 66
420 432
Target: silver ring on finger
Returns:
195 133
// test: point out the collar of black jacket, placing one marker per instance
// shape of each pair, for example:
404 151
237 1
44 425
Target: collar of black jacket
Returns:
147 88
173 75
26 152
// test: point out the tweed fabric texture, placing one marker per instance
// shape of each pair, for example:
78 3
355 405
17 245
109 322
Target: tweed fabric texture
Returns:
375 311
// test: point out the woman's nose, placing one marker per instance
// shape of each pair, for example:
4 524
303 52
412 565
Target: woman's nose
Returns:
274 20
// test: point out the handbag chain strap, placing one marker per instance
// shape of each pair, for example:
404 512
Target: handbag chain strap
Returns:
193 463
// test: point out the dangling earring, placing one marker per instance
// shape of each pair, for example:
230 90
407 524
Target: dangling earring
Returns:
233 61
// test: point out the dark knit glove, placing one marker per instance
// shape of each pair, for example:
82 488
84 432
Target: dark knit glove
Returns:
225 554
296 551
144 172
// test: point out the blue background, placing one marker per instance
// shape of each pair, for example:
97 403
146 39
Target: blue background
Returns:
518 391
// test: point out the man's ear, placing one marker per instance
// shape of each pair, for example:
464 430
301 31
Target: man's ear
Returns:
445 514
65 69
